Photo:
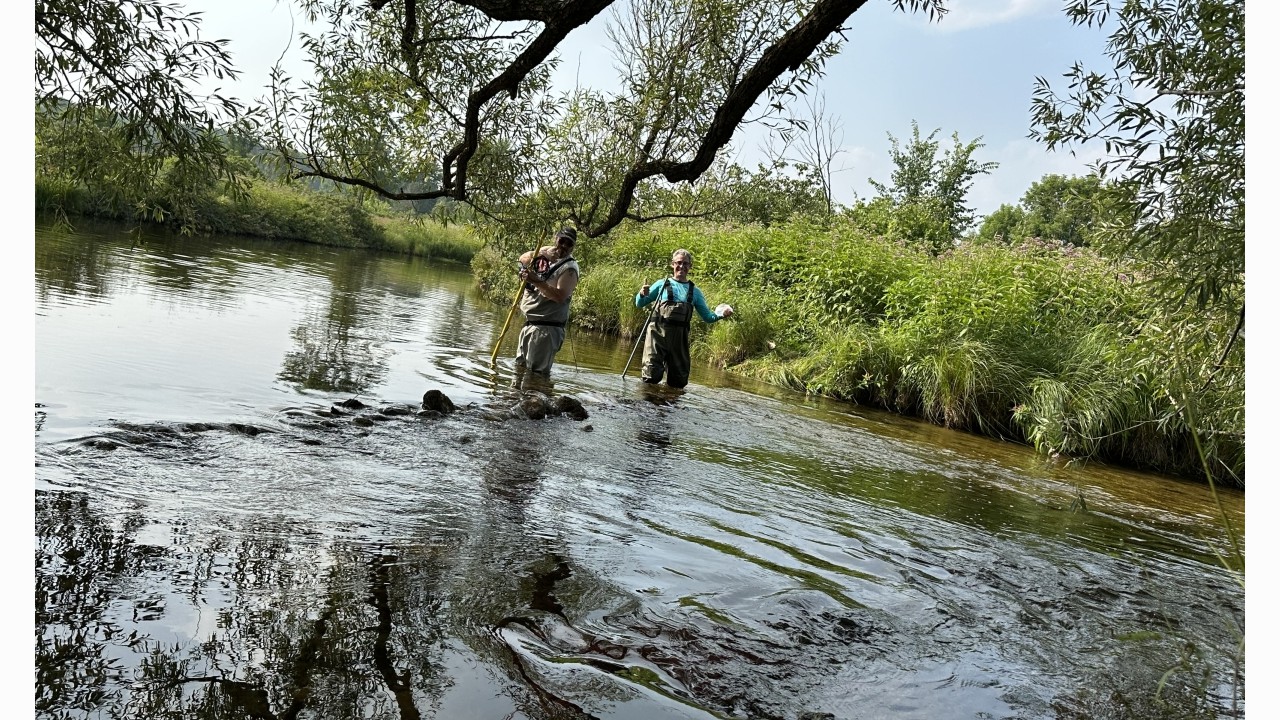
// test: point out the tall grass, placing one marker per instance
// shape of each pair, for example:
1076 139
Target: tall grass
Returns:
427 238
605 300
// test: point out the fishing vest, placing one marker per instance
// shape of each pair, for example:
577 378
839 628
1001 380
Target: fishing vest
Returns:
539 310
670 312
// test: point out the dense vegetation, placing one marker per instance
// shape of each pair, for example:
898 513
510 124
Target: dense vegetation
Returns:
1099 317
259 208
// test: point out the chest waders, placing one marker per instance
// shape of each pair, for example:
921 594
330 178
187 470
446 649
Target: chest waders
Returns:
666 344
543 332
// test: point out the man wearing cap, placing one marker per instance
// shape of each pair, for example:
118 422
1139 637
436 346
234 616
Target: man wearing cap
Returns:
666 340
550 277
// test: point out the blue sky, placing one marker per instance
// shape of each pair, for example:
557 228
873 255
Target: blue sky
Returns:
970 73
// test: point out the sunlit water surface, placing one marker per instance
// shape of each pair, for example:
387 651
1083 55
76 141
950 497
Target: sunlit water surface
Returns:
214 542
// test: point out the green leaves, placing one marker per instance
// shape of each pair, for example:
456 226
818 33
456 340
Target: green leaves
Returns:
1056 207
933 189
114 97
1170 117
460 95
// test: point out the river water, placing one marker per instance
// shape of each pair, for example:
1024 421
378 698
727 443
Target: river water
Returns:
217 536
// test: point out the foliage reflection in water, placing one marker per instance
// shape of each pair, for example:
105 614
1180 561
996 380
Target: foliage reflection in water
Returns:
213 541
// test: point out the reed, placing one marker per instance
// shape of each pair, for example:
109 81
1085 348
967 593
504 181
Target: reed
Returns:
427 238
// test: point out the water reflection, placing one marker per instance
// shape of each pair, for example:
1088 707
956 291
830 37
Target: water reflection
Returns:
333 352
513 468
72 270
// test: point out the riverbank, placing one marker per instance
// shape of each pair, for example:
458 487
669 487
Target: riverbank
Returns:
275 212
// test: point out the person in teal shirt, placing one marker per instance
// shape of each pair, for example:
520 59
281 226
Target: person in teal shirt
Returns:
666 340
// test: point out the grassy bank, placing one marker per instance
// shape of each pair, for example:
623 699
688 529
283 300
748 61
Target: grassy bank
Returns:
1040 343
270 210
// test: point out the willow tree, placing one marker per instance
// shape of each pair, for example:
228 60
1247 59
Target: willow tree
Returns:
1170 116
115 103
460 91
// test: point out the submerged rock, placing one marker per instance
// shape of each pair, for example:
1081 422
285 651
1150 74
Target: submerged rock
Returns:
438 401
151 429
571 406
245 429
534 406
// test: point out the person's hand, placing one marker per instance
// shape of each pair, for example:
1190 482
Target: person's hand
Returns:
644 289
524 274
728 312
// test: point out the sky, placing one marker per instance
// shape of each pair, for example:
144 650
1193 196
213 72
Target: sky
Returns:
971 73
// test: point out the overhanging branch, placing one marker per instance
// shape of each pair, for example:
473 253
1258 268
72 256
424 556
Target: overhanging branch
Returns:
791 50
788 53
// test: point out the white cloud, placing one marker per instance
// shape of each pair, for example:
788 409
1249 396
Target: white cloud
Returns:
970 14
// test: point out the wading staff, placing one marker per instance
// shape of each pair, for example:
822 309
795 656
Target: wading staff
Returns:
493 359
640 339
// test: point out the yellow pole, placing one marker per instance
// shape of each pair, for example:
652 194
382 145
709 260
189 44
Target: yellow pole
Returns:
493 359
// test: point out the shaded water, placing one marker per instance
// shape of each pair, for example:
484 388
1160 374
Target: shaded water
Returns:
213 542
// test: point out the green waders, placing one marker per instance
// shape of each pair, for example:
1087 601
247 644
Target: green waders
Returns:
666 342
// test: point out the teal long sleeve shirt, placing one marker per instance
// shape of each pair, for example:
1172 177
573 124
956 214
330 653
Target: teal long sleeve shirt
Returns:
679 293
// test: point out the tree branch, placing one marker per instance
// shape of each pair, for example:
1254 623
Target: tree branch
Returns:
791 50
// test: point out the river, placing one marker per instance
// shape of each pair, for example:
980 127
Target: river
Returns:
219 536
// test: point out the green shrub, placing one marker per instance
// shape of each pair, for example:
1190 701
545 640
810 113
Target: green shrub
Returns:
495 274
846 277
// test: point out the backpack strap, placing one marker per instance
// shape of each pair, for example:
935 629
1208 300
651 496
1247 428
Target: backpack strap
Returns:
533 265
552 270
